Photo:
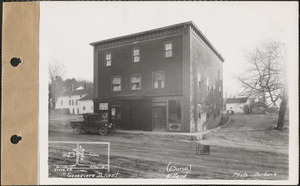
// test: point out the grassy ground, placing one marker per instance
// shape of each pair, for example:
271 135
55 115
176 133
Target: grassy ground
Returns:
248 144
58 121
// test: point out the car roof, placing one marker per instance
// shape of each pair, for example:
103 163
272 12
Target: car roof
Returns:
91 114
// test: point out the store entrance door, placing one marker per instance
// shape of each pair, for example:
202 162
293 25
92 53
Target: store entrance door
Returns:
159 118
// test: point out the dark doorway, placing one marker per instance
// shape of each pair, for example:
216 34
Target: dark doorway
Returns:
159 118
136 115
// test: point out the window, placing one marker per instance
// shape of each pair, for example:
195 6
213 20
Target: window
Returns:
174 111
116 84
136 55
135 82
77 110
207 84
199 80
72 102
83 108
168 49
61 102
158 80
108 59
69 102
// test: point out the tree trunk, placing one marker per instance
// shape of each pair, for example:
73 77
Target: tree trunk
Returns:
283 106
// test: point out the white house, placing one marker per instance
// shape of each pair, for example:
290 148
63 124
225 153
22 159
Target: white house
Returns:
70 99
86 104
236 104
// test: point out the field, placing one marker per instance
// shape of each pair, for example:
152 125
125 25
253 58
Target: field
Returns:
245 149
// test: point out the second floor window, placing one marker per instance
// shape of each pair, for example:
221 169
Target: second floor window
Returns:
168 49
207 84
136 55
135 82
158 80
61 102
116 84
199 80
108 59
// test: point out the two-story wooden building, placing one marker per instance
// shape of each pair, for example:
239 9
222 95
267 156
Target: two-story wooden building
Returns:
167 79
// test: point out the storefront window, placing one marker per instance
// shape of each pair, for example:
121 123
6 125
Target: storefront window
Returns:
175 111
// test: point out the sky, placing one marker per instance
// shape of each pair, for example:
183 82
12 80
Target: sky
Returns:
67 28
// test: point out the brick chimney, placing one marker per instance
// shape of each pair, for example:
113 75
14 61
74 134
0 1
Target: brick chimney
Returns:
84 85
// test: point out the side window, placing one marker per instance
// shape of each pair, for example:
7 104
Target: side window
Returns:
107 59
207 84
199 80
168 49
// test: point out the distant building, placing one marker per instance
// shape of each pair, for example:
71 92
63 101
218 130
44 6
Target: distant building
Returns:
166 79
236 105
86 104
70 99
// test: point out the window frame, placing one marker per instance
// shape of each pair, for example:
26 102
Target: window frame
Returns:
112 85
136 48
105 60
165 50
198 80
131 82
164 79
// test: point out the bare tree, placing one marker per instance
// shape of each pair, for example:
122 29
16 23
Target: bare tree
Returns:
55 81
263 78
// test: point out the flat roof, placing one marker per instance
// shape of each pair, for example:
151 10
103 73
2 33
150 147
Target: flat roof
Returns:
164 28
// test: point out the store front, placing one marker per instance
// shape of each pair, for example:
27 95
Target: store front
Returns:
128 114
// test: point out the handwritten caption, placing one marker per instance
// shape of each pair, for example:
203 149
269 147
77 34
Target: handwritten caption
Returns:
177 171
253 174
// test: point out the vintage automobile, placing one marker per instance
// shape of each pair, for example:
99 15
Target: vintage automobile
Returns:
92 122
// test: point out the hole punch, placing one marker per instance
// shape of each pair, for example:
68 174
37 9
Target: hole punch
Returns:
15 139
15 61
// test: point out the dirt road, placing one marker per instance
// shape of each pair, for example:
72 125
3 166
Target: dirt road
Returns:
233 154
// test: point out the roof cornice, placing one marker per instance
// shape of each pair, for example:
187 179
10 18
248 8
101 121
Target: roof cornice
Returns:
177 28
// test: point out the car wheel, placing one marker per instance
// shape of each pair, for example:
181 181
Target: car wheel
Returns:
103 131
76 130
